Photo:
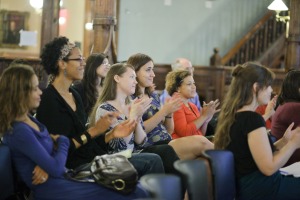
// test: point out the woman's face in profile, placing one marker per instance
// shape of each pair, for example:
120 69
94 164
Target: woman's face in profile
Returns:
264 95
103 68
35 94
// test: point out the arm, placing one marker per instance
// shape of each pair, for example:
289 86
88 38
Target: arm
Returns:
137 109
171 105
26 142
169 123
267 162
51 112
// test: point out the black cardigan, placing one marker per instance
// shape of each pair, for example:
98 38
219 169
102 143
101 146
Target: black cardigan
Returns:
59 118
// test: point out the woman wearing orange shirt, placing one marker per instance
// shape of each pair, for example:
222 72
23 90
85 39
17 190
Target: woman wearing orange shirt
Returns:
188 120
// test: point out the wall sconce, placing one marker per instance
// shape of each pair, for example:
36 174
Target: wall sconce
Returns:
279 6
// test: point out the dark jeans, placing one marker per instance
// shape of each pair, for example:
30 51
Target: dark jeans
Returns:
147 163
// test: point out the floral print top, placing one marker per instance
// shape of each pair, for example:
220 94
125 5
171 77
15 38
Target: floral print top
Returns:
118 144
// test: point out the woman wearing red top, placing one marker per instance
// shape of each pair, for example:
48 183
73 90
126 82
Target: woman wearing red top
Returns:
188 120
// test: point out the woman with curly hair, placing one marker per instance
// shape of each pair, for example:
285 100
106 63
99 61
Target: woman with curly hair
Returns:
90 86
242 131
31 145
62 110
188 120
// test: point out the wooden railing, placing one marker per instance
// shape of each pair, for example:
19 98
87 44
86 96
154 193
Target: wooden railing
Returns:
258 39
211 82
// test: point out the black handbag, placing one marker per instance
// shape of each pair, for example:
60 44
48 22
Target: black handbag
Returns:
111 171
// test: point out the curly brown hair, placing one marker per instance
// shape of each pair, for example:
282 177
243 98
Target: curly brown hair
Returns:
174 80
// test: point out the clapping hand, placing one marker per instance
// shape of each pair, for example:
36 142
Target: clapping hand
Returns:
124 129
139 107
292 135
270 109
172 104
209 109
106 121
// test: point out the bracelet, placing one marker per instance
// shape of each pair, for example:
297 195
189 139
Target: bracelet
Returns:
83 138
88 136
168 117
78 139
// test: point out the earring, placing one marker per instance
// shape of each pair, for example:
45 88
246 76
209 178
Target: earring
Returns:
65 72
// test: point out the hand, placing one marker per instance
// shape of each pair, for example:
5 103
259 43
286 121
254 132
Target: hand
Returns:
105 122
270 108
39 176
54 137
124 129
210 109
288 133
139 107
172 104
295 136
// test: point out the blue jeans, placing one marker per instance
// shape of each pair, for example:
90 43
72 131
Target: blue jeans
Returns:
147 163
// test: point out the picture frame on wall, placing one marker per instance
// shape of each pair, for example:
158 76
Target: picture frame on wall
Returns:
11 23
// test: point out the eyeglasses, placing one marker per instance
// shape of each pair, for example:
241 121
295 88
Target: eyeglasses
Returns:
106 64
81 59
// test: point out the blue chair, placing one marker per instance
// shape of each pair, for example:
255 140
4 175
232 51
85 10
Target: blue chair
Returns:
222 167
162 186
6 173
196 175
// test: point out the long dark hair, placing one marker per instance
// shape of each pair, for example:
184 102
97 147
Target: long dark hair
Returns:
90 79
290 89
240 94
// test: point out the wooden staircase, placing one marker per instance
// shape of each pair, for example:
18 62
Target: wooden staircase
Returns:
264 43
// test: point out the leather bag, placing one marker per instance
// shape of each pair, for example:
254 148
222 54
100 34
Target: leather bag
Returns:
111 171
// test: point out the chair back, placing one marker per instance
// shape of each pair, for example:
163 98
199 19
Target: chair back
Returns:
6 173
222 166
196 175
162 186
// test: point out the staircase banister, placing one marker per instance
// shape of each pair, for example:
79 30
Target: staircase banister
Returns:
250 33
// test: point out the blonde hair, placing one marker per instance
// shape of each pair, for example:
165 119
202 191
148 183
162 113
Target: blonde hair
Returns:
240 94
109 91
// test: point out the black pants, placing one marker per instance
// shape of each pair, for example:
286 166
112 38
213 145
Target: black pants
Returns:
167 155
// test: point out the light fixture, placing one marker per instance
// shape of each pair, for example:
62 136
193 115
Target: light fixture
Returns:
279 6
37 4
89 26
